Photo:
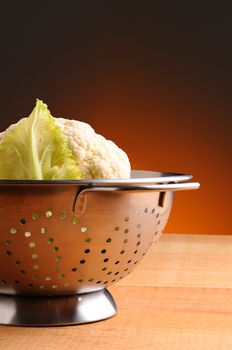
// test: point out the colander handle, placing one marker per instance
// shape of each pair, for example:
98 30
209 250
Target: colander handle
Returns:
157 187
80 201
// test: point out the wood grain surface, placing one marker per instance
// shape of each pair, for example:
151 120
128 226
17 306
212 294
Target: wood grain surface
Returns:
179 297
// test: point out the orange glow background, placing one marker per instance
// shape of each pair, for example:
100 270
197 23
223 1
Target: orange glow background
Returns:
155 80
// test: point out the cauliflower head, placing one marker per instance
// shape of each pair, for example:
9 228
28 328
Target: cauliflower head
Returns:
97 157
73 150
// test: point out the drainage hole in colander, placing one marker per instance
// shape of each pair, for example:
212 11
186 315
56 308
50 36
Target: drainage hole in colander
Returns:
88 240
105 282
16 281
104 268
117 262
22 221
55 249
31 244
139 235
27 234
126 219
48 214
9 252
116 228
109 273
126 269
74 269
129 261
138 243
90 280
122 252
62 275
43 230
136 262
35 216
98 282
106 260
84 229
3 282
103 251
66 284
125 241
56 267
156 233
116 273
63 216
8 242
157 215
126 230
153 210
158 222
35 267
113 280
138 226
74 221
58 258
87 251
80 280
145 210
13 230
108 240
54 286
82 261
50 240
48 278
17 262
23 272
30 285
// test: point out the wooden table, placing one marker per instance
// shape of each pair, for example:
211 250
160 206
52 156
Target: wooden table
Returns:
179 297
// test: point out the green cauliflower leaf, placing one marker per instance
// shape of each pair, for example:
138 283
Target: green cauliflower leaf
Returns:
36 149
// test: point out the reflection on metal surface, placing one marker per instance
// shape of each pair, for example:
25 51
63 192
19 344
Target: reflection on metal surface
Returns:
56 310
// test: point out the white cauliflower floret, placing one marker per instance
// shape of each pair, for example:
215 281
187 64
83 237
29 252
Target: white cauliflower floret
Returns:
97 157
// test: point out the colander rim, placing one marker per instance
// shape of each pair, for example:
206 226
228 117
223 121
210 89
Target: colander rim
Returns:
138 177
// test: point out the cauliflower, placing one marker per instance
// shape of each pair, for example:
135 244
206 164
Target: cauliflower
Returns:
97 157
44 147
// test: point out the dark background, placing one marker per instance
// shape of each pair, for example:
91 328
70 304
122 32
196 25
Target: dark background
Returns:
153 76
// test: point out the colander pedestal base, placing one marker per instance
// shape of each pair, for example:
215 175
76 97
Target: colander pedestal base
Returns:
56 310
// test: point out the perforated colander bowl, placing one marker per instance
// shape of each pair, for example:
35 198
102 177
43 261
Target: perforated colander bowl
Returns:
68 238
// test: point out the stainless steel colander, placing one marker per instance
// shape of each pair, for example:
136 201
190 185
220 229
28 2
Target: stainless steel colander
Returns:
64 242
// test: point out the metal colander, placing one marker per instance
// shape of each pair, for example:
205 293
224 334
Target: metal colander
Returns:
73 239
